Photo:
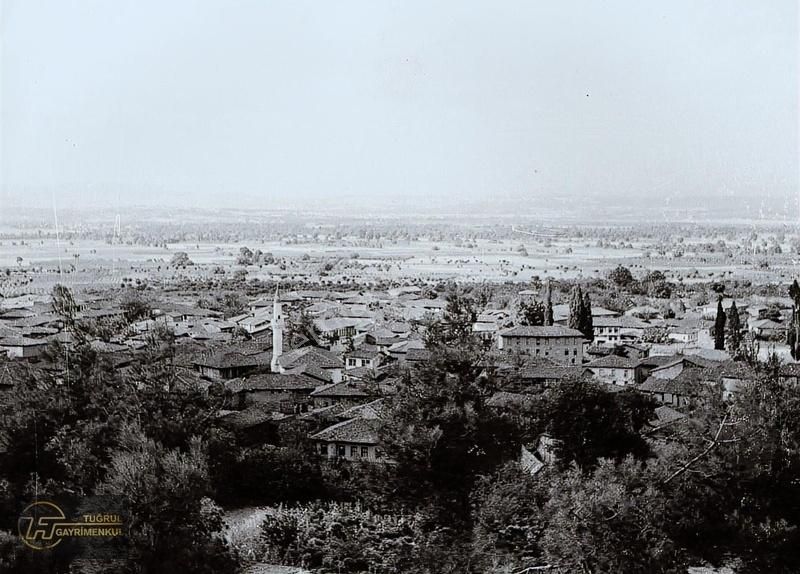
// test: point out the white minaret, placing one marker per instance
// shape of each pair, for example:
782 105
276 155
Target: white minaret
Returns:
278 323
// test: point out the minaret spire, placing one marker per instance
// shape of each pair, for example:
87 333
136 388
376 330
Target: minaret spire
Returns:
278 323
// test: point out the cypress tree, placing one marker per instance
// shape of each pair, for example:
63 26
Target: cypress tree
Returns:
588 323
719 327
576 309
734 332
548 305
793 329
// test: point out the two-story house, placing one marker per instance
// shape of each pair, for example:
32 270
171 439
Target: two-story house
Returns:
559 344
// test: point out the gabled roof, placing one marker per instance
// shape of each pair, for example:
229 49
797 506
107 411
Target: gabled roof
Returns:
250 417
540 331
624 322
365 351
12 372
690 383
371 410
665 415
358 431
765 324
613 362
231 359
277 382
546 371
656 361
335 323
311 370
318 356
343 389
688 361
21 342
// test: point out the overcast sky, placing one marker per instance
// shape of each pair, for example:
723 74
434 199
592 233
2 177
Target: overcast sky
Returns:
272 103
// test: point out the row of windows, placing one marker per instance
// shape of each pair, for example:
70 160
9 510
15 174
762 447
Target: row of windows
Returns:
358 362
341 451
531 341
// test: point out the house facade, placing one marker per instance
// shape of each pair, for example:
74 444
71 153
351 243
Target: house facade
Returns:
561 345
614 370
354 440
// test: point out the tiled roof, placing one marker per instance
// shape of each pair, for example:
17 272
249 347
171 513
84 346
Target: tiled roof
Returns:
343 389
330 412
665 414
12 372
229 359
539 331
20 342
371 410
322 358
250 417
277 382
359 431
613 362
365 351
311 370
335 323
547 370
690 382
621 322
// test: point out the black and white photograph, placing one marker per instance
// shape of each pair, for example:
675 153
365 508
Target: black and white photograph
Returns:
399 287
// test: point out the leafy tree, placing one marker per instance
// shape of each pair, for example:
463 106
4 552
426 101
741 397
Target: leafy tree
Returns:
135 306
621 276
509 518
233 304
245 256
181 259
589 423
64 305
532 314
438 428
300 325
610 521
69 430
455 327
347 538
174 525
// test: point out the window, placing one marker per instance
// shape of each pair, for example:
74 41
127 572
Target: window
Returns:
323 448
341 451
354 451
566 352
364 452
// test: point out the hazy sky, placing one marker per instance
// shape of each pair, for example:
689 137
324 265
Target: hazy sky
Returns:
226 103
